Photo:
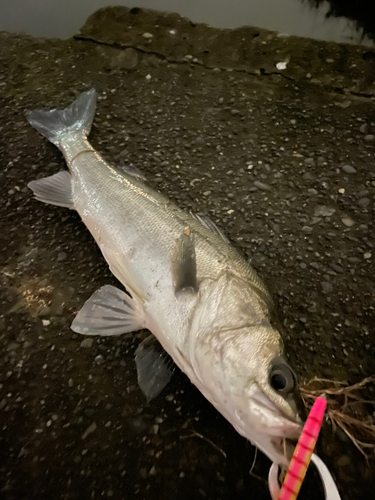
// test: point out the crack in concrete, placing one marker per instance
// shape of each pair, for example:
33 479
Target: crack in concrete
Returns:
262 71
162 56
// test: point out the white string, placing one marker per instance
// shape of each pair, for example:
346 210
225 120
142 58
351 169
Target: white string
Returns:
330 488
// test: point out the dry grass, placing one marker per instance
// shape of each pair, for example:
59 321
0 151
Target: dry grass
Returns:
346 409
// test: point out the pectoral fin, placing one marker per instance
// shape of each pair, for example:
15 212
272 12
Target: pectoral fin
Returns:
109 311
154 367
185 269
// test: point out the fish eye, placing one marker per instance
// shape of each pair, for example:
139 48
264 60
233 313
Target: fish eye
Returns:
282 378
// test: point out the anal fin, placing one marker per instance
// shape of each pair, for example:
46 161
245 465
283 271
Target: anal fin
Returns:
109 311
154 367
55 190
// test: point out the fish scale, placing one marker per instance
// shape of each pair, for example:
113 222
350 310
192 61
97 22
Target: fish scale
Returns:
162 222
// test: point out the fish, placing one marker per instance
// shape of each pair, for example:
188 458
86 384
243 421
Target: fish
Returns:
203 303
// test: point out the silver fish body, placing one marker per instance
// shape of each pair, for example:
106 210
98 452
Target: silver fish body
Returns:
197 295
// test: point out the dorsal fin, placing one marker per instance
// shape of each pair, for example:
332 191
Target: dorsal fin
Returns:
208 224
185 266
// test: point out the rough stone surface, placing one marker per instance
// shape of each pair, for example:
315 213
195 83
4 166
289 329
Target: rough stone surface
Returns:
171 115
114 58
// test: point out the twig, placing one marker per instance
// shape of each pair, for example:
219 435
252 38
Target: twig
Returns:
200 436
341 409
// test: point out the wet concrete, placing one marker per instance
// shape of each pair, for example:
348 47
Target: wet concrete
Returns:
282 160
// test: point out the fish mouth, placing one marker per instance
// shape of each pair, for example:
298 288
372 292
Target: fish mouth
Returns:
276 430
275 421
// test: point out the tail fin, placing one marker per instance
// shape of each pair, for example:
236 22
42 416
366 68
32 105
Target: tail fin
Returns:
75 118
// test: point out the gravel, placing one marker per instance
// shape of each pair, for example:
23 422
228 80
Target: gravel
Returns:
327 309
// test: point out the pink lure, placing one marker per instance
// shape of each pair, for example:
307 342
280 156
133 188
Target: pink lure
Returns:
303 451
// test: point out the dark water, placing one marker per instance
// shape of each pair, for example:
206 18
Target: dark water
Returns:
51 19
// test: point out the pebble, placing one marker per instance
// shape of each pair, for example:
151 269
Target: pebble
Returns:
308 177
87 342
348 169
206 193
99 359
363 128
90 429
13 346
336 268
347 221
364 192
199 141
309 161
148 35
353 260
234 112
307 229
315 220
369 138
312 191
327 286
364 202
367 255
62 256
324 211
262 186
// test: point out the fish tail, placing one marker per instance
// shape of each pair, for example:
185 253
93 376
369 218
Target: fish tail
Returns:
75 119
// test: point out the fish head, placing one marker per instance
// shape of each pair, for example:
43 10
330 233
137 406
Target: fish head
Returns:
241 368
260 389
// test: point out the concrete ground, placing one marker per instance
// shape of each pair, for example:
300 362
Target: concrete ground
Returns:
281 159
